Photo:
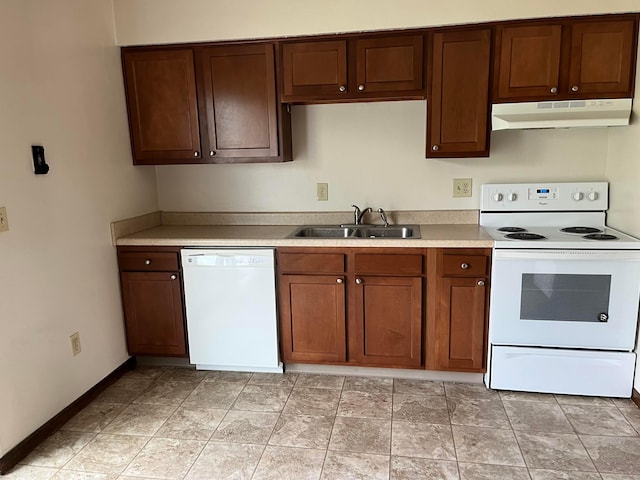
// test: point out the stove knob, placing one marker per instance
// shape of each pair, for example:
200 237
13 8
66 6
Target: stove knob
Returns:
578 196
498 197
593 196
512 197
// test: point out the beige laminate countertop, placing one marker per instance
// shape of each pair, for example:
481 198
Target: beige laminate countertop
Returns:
433 235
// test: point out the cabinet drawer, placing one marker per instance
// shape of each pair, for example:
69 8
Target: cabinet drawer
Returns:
148 261
464 265
385 264
311 262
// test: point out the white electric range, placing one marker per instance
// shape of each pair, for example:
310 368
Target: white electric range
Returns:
565 290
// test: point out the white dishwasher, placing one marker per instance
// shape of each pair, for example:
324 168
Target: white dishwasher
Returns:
230 299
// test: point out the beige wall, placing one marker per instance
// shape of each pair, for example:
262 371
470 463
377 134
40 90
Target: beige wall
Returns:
167 21
373 155
623 173
61 87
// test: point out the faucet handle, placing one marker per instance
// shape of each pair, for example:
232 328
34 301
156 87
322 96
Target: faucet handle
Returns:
383 216
356 215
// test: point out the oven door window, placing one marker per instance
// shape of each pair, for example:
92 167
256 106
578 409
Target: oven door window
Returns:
565 297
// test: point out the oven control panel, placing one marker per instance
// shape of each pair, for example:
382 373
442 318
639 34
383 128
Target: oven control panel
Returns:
517 197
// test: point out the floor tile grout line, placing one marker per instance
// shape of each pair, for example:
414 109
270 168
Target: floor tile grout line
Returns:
255 468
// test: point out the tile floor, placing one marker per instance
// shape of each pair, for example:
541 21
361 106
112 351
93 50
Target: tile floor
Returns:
170 423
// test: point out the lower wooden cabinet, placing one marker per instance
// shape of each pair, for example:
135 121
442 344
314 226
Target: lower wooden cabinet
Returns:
152 297
388 321
457 315
312 318
367 312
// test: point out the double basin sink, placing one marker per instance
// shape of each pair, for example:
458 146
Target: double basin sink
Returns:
357 231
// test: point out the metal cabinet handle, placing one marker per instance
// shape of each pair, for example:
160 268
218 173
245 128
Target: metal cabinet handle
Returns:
339 280
481 283
196 154
464 266
147 262
359 281
361 88
212 153
554 90
173 277
342 88
575 88
435 148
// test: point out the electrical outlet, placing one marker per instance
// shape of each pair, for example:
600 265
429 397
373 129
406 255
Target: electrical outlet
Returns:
322 192
76 348
4 221
461 187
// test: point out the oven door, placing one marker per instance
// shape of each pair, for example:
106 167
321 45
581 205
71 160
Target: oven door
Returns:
565 298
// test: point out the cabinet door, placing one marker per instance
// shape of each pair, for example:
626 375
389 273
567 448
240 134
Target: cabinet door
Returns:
153 313
240 101
458 99
388 322
528 66
162 106
602 58
385 64
461 324
312 318
314 70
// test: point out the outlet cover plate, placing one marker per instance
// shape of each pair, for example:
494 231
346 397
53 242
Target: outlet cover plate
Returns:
462 187
76 348
322 192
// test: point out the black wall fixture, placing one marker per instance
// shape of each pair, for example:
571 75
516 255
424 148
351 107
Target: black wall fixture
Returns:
40 166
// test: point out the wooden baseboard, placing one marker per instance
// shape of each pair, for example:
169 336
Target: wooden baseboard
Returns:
635 396
20 451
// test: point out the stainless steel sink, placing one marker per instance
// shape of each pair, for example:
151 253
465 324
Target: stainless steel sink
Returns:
392 231
323 231
356 231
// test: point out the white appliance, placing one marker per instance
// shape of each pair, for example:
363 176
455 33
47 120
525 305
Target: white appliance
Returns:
565 290
230 300
561 114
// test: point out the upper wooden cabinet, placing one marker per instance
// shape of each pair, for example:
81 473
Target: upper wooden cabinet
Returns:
569 59
351 69
162 105
240 101
206 104
458 94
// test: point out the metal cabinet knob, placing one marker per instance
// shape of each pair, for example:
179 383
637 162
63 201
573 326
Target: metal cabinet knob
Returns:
554 90
435 148
575 88
339 280
342 88
361 88
481 283
173 277
147 262
212 153
196 154
464 266
359 281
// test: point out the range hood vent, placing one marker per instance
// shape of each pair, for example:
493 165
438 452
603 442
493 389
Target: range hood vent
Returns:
561 114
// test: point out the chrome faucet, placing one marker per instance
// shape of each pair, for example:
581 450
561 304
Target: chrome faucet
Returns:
383 215
358 215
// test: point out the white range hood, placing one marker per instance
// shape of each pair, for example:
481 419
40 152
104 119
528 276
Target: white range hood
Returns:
561 114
